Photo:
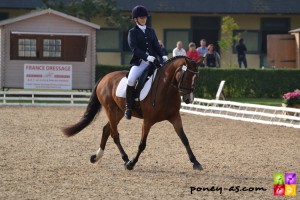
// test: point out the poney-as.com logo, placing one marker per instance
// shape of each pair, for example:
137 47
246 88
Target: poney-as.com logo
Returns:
285 184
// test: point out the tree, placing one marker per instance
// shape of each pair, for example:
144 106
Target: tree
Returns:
87 9
226 42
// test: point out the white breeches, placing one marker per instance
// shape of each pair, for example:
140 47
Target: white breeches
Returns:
136 72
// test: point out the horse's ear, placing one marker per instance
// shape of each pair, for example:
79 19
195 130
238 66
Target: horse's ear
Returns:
189 61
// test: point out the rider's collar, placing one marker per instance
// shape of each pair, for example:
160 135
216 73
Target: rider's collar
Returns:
143 28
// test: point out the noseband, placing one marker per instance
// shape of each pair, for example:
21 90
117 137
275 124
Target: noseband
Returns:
181 87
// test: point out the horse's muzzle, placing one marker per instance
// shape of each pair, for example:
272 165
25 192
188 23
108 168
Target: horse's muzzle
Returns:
188 98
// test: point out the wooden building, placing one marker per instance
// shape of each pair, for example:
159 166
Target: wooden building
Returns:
282 51
296 34
52 45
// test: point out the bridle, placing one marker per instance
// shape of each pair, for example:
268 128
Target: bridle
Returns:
180 86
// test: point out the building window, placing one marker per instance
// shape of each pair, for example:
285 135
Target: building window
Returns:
27 48
48 47
51 48
208 28
108 40
172 36
251 40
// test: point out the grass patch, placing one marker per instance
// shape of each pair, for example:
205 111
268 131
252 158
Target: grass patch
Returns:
260 101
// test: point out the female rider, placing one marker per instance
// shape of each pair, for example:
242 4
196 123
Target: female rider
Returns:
144 45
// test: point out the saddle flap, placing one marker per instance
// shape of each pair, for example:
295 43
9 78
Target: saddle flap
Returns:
121 89
147 73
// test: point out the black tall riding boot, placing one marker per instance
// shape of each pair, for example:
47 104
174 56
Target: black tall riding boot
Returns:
129 101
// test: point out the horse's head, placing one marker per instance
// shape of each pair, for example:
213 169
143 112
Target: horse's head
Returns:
185 77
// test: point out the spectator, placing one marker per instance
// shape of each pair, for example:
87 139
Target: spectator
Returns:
241 49
193 53
179 51
212 58
202 49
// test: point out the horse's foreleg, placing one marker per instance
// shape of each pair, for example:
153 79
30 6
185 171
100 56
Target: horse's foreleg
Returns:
177 123
145 131
100 151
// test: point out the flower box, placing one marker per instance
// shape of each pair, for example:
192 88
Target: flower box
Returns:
291 99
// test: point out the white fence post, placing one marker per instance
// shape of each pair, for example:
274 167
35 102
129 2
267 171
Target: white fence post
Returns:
72 99
220 91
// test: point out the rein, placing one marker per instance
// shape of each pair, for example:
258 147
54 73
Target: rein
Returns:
158 74
180 86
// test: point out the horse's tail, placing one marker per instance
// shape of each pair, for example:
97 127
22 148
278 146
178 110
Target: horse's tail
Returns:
91 111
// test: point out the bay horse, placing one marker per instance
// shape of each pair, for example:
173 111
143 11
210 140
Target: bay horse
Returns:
177 77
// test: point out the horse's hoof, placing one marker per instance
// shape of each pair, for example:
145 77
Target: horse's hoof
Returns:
129 165
197 166
93 158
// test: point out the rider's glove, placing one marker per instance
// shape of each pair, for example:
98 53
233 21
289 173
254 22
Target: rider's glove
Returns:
165 58
151 58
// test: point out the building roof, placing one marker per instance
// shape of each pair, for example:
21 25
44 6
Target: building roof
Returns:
215 6
17 4
48 11
187 6
295 31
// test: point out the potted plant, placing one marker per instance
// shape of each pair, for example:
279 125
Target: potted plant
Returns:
291 99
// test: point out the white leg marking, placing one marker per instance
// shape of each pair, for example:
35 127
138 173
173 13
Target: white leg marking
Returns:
99 154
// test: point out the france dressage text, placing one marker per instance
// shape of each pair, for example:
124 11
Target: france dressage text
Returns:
230 189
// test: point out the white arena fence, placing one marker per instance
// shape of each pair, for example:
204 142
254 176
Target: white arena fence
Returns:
32 98
283 116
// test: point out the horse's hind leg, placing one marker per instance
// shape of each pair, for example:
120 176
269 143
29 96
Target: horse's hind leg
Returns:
115 115
100 151
145 131
177 123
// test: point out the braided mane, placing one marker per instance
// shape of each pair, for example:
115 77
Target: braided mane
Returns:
174 58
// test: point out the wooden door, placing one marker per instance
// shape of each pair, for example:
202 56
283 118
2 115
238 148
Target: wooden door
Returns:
281 51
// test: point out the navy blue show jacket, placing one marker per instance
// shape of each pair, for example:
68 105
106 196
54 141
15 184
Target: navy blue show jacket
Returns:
140 43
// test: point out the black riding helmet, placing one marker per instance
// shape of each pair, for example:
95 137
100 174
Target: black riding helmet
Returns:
139 11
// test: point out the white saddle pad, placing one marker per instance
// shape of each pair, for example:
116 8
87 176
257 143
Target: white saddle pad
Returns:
121 89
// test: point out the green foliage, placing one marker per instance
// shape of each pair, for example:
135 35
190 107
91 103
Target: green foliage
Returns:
227 39
250 83
228 25
87 9
102 70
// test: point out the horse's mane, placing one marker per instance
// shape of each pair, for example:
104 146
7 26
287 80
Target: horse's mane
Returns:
175 58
